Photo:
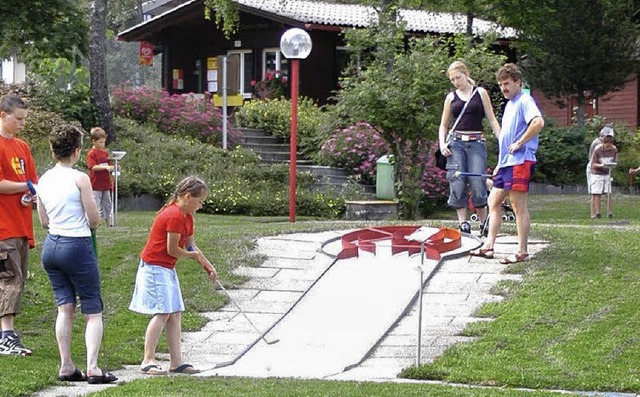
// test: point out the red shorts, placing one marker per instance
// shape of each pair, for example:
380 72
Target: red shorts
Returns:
515 178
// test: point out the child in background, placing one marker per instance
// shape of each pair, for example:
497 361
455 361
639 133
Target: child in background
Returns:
100 173
603 154
157 289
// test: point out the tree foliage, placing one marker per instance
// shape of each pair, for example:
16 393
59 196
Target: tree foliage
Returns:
402 93
577 48
225 13
43 28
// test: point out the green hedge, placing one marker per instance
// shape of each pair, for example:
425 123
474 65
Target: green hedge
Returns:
274 117
238 182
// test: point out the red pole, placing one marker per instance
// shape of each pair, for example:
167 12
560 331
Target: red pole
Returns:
295 63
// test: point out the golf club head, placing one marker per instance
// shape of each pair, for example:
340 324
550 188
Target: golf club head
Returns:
452 167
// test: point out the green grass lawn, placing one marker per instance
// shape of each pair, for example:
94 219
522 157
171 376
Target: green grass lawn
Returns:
573 323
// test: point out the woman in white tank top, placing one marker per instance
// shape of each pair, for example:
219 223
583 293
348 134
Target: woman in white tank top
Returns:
67 209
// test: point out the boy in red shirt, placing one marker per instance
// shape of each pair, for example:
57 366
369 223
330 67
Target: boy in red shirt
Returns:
100 173
17 174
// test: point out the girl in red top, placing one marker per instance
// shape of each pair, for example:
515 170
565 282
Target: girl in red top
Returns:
157 290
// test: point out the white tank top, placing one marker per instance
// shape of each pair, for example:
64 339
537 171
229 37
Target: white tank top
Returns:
61 198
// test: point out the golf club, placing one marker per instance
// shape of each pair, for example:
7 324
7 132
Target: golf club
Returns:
458 174
268 342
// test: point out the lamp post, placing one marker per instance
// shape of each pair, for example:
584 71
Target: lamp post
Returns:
295 44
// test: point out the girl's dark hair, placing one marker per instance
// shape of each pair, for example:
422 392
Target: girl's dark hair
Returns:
64 140
191 184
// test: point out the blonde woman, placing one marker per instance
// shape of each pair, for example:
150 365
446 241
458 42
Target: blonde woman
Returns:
463 143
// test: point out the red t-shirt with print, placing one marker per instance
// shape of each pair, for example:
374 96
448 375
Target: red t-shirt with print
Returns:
17 165
169 220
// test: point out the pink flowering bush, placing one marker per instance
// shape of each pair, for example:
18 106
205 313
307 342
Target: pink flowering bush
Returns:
182 115
434 180
271 87
355 149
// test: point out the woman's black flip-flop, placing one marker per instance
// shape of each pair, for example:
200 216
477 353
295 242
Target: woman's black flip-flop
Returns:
106 377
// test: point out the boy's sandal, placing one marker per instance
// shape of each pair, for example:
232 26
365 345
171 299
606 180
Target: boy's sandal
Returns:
514 258
486 253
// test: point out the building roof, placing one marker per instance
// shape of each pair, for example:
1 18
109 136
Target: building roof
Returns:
308 12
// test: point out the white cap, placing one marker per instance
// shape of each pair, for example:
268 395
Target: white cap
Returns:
606 131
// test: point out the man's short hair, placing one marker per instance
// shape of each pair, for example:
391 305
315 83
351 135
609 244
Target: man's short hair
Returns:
509 70
10 102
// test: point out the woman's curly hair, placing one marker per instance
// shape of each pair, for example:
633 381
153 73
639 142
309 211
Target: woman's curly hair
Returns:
64 140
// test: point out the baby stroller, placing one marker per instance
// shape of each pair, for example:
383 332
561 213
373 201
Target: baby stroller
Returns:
507 216
507 212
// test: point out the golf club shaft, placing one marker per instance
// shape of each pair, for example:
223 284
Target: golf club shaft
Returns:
245 314
458 173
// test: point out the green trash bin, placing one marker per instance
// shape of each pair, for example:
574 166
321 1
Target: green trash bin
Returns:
384 178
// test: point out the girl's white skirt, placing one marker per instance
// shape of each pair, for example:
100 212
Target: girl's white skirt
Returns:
157 290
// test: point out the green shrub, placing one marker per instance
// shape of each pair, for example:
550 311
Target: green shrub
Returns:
274 117
562 156
57 85
238 182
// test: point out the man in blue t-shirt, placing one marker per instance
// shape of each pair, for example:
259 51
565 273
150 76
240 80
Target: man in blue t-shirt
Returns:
518 143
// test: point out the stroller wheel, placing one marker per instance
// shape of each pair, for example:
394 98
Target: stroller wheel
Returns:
474 217
512 218
505 218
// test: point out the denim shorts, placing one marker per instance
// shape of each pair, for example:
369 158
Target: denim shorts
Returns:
72 267
157 290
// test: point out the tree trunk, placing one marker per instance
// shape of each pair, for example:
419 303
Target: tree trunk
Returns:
580 111
470 17
98 67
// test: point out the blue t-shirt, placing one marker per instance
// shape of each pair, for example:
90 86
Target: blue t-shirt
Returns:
518 113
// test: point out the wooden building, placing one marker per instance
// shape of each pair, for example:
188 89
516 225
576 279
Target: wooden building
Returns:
189 42
620 106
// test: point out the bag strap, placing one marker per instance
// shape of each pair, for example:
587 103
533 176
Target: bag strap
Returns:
455 124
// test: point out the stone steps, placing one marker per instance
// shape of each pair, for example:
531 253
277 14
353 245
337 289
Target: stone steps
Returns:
275 150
